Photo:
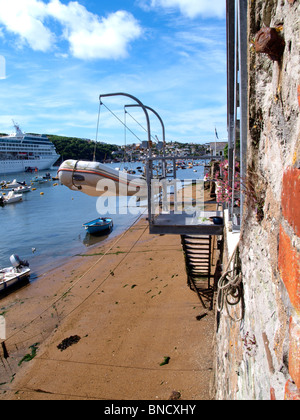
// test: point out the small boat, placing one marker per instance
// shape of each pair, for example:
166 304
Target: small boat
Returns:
102 224
96 179
10 276
38 180
22 189
13 184
12 197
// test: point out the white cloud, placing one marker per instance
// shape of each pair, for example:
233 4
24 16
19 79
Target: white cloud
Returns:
25 18
191 8
89 36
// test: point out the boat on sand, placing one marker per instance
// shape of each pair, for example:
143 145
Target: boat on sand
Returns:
10 276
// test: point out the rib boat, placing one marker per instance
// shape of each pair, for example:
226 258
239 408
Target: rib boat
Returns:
96 179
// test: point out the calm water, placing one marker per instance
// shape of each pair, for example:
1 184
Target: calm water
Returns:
52 223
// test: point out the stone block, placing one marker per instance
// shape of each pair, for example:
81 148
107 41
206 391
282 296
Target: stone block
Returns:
294 350
292 393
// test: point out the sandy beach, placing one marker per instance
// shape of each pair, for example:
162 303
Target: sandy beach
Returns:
140 332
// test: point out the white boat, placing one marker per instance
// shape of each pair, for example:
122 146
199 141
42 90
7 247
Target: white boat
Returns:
20 151
97 179
10 276
12 197
38 180
13 184
22 189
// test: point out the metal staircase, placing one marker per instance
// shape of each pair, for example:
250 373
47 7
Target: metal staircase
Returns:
198 258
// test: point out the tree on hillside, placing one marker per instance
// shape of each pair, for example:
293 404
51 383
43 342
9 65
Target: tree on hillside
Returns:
79 149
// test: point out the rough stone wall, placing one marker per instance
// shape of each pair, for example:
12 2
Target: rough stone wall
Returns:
259 357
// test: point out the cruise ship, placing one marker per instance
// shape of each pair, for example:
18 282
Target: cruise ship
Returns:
21 152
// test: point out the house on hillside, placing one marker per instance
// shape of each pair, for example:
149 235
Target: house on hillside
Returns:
217 148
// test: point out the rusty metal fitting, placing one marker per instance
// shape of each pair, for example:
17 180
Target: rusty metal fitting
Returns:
268 41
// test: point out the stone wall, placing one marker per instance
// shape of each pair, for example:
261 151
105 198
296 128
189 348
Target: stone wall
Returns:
259 357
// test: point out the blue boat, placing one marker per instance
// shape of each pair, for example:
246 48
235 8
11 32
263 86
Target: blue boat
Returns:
102 224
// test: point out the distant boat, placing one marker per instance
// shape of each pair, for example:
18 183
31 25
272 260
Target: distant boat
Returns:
21 152
22 189
12 197
102 224
14 184
10 276
38 180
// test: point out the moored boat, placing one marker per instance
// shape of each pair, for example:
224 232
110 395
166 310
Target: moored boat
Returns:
38 180
22 189
21 152
18 272
100 225
12 197
13 184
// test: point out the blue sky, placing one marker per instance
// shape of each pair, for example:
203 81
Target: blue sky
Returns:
61 55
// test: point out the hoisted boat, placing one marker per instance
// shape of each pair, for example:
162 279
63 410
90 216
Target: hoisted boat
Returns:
100 225
96 179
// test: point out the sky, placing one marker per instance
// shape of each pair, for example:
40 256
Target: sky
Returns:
58 56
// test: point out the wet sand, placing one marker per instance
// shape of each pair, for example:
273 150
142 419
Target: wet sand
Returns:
128 304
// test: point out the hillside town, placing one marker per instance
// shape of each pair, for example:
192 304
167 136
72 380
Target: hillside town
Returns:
136 152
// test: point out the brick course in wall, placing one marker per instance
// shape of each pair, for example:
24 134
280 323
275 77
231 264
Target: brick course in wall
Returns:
291 198
269 246
289 267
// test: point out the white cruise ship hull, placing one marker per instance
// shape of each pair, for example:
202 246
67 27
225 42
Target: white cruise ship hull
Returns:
16 166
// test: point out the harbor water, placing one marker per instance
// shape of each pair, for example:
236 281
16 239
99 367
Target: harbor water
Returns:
46 227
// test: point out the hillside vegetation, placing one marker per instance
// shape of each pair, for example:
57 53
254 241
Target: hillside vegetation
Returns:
79 149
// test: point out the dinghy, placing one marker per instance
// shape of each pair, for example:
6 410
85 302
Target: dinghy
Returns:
100 225
96 179
12 197
10 276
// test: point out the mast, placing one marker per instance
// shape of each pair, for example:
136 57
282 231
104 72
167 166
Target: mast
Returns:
17 128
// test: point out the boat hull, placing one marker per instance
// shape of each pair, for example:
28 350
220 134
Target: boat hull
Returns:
17 166
8 278
99 226
96 179
12 198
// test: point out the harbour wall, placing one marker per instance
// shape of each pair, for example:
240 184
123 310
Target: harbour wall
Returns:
258 357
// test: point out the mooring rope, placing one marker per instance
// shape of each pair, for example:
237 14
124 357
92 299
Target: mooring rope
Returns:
58 299
229 288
